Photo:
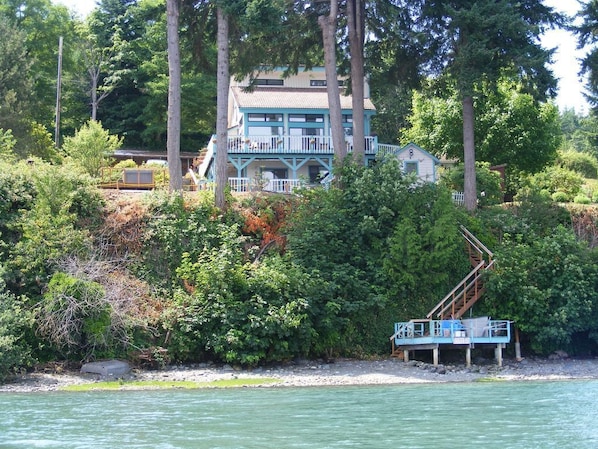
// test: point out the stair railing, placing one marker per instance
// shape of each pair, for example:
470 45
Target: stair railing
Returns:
458 292
475 243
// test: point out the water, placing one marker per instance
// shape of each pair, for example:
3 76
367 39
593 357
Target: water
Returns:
471 415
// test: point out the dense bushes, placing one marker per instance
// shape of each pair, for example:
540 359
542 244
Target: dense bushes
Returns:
548 287
388 249
488 182
583 163
168 278
15 322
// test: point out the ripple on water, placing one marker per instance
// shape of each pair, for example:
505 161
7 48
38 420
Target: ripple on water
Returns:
488 415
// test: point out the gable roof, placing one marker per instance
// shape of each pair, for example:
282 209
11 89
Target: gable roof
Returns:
414 146
289 98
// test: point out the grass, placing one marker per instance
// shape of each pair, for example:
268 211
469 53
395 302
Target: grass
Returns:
165 384
489 379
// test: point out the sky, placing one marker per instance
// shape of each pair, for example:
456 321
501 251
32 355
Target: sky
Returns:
566 67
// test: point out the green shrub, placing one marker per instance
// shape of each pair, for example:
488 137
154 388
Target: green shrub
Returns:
178 226
240 313
560 197
547 286
15 321
555 179
487 183
91 147
583 163
74 316
7 145
582 199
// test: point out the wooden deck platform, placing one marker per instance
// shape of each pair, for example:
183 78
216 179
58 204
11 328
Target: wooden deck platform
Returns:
427 334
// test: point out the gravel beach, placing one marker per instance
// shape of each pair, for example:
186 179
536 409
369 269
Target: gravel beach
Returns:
340 372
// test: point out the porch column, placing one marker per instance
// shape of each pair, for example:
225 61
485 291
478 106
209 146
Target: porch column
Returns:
468 357
405 355
435 352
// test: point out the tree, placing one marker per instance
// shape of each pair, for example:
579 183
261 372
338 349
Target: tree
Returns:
511 128
97 61
223 81
91 147
587 37
328 24
15 84
480 41
356 31
580 133
42 23
173 143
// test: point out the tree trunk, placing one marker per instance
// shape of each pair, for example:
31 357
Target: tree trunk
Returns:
94 97
223 80
173 140
356 40
469 184
328 26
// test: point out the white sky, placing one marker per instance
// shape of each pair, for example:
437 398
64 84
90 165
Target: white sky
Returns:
566 65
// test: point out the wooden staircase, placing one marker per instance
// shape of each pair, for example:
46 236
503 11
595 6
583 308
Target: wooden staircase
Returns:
471 288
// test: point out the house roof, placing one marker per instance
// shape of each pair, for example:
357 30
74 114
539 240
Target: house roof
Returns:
418 148
293 98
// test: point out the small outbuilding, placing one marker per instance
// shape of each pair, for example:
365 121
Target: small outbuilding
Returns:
417 160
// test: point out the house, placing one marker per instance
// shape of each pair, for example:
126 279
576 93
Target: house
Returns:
417 160
279 134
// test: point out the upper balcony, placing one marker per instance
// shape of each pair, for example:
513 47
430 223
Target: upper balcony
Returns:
287 144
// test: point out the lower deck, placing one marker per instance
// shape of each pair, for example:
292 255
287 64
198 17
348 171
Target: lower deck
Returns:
465 334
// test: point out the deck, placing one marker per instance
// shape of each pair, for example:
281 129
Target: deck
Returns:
427 334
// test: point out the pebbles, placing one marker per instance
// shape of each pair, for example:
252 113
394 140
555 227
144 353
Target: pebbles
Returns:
305 373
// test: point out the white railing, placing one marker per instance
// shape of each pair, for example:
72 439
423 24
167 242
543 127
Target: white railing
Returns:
239 184
384 149
282 185
270 185
459 198
291 144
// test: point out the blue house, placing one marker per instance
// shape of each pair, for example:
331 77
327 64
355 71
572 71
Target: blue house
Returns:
279 134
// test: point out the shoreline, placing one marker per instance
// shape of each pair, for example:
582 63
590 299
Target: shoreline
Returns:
387 371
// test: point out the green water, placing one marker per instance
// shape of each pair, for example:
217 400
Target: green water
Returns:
473 415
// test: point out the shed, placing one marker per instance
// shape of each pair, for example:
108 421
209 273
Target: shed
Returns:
417 160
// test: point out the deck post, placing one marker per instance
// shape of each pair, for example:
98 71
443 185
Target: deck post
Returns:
468 357
498 353
517 345
435 352
405 355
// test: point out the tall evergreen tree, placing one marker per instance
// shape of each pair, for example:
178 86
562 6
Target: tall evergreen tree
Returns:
482 40
587 33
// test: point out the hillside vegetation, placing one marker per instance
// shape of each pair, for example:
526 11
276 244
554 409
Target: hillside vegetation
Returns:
158 278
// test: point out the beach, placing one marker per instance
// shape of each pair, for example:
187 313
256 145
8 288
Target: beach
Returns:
307 373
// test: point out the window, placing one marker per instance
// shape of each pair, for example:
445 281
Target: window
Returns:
316 173
268 82
264 117
277 173
411 167
306 118
347 118
323 83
